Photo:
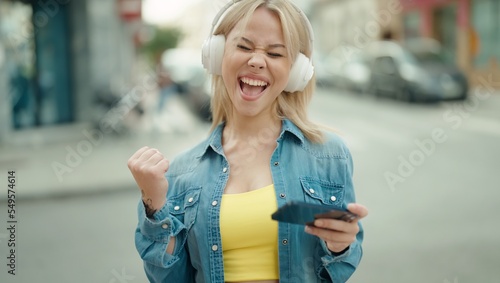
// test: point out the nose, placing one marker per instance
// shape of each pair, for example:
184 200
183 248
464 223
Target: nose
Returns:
257 61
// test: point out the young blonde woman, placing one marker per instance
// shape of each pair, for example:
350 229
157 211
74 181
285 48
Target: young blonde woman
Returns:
206 217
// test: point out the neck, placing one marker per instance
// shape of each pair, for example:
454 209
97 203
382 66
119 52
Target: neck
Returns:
247 128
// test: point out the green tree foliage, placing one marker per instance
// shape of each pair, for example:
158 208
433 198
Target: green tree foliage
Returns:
162 38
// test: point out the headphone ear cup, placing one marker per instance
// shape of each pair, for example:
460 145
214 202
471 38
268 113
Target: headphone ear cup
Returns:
212 52
300 74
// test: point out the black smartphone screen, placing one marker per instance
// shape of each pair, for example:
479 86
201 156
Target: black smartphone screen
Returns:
305 213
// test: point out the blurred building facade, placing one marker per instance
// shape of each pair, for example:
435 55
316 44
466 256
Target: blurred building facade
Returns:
57 54
343 23
469 30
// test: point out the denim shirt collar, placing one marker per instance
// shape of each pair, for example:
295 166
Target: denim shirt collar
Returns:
214 141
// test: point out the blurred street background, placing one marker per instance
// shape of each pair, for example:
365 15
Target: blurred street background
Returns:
412 86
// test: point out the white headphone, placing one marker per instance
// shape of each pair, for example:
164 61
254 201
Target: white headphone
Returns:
213 51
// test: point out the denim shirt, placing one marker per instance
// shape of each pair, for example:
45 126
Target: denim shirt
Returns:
301 170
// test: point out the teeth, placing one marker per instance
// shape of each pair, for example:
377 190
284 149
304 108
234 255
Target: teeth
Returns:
253 82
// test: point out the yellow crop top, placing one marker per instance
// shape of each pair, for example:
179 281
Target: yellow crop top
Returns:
249 235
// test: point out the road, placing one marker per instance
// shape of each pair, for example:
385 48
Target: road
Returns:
429 175
427 172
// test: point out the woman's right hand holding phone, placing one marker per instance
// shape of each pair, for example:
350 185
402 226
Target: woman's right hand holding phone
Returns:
148 166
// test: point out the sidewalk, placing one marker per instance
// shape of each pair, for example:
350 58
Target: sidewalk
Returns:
75 159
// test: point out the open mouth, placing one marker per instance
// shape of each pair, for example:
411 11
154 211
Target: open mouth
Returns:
251 87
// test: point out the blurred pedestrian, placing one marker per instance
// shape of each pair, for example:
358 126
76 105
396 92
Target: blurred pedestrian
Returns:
166 86
20 96
209 219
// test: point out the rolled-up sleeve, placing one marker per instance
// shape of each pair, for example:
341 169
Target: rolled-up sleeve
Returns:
152 237
341 267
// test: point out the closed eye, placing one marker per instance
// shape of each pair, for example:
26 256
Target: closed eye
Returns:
274 54
243 47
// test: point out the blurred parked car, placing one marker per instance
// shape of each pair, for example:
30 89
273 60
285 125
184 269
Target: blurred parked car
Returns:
414 72
192 80
326 68
344 67
355 70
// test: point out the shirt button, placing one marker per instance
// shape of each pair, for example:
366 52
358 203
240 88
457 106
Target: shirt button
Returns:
215 248
276 163
164 226
284 242
311 191
190 200
282 195
214 203
177 207
333 198
224 169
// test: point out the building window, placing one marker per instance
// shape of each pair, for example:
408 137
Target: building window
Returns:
37 63
445 27
411 24
486 25
16 35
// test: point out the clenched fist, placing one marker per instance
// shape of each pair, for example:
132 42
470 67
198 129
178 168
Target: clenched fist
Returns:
148 166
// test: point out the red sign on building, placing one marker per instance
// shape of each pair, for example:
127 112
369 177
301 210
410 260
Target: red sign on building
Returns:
130 10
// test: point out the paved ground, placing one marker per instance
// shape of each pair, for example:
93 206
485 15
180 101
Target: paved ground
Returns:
437 224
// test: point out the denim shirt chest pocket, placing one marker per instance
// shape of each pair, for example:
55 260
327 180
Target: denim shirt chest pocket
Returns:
184 206
322 192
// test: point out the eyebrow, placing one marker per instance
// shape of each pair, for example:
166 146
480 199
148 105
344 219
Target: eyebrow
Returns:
276 45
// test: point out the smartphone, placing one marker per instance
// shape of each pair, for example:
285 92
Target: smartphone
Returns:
304 213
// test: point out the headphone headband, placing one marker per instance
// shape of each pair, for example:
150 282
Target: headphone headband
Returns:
226 7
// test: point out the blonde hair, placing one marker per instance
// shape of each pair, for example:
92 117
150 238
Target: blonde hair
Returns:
292 106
